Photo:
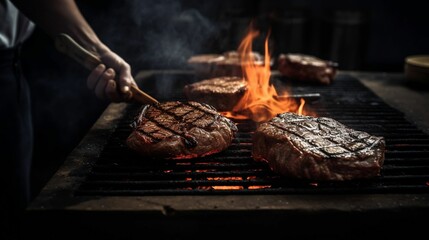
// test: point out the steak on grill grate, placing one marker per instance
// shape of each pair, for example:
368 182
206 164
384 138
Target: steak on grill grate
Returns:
307 68
177 130
218 65
317 148
223 93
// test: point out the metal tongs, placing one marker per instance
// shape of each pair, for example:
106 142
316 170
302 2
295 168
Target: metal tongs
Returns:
67 45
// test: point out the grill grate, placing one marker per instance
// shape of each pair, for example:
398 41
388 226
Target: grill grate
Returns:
120 172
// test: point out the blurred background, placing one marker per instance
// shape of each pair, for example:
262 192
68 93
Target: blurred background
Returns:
360 35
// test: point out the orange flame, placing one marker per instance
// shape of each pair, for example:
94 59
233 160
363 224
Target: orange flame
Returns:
301 106
261 101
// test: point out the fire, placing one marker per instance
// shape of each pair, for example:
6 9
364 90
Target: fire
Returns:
261 102
301 106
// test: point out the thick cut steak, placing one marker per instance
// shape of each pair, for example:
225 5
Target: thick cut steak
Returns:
177 130
218 65
223 93
317 148
307 68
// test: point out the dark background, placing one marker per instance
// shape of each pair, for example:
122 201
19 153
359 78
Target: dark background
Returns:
155 34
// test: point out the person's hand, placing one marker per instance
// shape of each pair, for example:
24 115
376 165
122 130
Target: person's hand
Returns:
112 79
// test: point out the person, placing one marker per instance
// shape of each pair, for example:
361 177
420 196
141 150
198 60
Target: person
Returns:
110 80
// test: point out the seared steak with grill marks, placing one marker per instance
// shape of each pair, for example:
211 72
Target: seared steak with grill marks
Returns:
223 93
317 148
307 68
178 130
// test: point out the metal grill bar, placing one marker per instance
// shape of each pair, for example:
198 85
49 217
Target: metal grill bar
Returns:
119 171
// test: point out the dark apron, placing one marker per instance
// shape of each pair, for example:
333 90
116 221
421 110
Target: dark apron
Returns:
16 137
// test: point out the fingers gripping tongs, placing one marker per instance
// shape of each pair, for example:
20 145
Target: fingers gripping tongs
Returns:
67 45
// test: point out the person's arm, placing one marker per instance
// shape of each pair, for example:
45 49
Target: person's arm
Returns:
64 16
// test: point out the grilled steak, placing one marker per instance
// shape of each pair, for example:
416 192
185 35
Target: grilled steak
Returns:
307 68
218 65
317 148
177 130
223 93
204 64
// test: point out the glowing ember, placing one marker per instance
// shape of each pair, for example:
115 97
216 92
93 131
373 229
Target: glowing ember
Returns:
223 187
259 187
227 187
225 178
261 102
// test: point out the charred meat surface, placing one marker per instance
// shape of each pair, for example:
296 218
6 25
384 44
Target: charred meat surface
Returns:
177 130
317 148
223 93
307 68
218 65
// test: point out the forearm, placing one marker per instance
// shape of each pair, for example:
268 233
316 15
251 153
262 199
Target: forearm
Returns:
64 16
61 16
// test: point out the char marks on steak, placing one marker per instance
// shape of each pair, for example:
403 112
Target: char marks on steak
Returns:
177 130
307 68
223 93
317 148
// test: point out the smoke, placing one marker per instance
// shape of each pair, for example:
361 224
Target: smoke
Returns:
157 34
185 34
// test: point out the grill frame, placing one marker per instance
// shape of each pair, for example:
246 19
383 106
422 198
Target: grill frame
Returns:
199 214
